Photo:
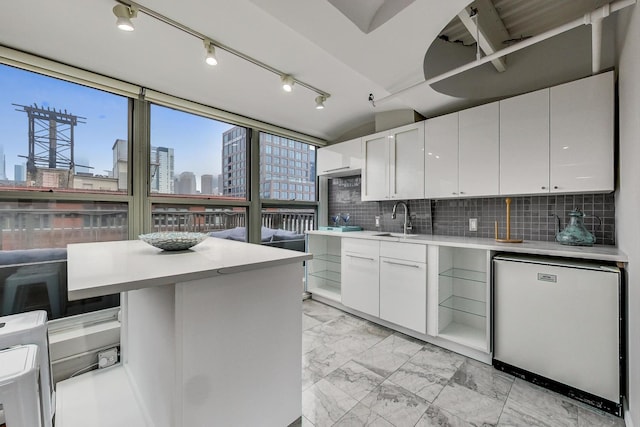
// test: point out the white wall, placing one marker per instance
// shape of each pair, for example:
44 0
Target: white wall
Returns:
628 196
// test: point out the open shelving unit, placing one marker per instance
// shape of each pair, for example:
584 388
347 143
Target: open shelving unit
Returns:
463 297
323 271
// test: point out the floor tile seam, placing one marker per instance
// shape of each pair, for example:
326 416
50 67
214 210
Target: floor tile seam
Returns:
408 391
505 401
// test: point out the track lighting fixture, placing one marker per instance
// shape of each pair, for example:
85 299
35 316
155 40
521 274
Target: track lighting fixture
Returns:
211 53
320 102
125 10
287 83
124 15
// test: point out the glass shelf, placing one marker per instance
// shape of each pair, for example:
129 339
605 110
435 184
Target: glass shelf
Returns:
461 273
327 257
333 276
466 305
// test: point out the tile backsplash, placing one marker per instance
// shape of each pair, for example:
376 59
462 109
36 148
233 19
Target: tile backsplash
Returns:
532 217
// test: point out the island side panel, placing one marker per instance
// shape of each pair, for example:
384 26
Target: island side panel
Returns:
241 341
149 351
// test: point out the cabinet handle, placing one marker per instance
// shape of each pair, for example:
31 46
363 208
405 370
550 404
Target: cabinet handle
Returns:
462 192
399 263
454 193
337 169
359 257
555 187
543 187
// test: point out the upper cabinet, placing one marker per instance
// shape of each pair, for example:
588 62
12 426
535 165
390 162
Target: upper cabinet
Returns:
394 164
479 151
524 143
342 159
581 136
441 157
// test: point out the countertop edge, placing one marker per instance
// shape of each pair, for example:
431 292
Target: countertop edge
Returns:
598 252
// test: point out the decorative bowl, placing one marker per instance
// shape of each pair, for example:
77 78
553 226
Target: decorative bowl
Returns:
173 241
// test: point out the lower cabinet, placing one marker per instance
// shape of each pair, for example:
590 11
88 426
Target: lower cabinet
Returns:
403 285
459 288
360 275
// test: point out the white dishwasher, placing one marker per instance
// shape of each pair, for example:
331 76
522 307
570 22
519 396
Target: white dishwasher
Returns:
557 323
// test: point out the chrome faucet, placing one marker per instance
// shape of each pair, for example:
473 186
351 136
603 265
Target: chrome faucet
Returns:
407 219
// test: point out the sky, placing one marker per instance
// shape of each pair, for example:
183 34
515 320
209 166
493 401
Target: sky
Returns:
196 141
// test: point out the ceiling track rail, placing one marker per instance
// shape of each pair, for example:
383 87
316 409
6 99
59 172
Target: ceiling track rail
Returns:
177 25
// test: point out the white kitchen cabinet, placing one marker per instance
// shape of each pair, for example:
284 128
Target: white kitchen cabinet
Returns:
403 285
581 135
524 144
459 296
393 165
342 159
479 151
323 272
360 275
441 157
375 171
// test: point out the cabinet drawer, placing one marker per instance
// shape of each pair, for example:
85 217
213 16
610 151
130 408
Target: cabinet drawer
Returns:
405 251
361 246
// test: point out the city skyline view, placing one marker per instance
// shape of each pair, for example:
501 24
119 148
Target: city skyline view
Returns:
196 140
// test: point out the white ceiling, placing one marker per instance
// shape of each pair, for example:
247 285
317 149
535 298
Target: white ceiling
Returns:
312 40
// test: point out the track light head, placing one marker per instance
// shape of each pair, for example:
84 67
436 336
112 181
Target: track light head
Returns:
320 99
287 83
124 14
211 53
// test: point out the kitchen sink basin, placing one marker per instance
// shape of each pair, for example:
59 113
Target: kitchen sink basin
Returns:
401 235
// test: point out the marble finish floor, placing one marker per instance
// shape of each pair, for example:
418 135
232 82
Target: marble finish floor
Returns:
356 373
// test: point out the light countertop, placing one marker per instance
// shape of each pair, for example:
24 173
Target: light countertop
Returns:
596 252
104 268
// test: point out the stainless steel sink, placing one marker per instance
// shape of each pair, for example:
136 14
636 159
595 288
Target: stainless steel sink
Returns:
401 235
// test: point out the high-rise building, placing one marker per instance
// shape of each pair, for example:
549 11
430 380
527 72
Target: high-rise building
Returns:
185 183
3 164
120 162
20 172
162 170
234 162
207 184
287 168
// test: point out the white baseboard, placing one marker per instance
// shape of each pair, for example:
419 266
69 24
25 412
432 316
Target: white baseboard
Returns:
628 422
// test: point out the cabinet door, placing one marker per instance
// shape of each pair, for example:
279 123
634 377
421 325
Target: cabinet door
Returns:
524 144
441 157
342 159
375 173
582 135
479 151
360 276
406 173
403 293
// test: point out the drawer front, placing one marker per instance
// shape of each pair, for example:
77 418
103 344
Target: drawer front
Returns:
406 251
361 246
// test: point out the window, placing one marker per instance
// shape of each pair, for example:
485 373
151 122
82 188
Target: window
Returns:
203 219
189 153
79 139
34 239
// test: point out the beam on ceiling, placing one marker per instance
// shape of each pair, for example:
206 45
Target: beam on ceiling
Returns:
487 29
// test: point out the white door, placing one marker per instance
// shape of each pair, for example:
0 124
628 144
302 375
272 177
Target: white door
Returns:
375 173
582 121
403 293
524 144
406 177
360 275
441 157
479 151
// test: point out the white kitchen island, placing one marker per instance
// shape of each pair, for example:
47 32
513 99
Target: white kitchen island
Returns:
210 336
